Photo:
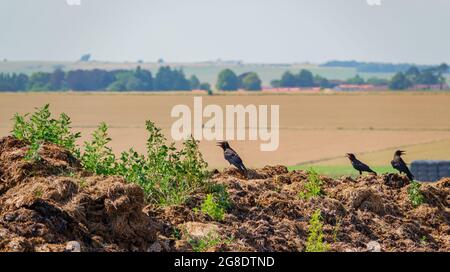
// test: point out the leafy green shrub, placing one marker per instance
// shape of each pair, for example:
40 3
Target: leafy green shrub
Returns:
167 175
315 241
38 128
220 194
211 207
415 196
313 187
97 156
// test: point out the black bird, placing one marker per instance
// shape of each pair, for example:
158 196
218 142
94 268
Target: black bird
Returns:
232 157
400 165
358 165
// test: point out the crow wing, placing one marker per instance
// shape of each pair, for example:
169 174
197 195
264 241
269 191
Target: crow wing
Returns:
233 158
360 166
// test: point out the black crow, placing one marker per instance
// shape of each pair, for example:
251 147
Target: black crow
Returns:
358 165
232 157
400 165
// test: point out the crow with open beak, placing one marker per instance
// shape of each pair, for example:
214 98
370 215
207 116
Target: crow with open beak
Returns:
358 165
232 157
400 165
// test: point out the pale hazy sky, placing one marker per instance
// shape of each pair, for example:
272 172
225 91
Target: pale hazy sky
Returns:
250 30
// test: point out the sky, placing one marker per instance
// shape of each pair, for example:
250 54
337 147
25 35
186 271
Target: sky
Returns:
254 31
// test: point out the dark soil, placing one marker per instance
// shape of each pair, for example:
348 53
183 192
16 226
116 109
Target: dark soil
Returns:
53 205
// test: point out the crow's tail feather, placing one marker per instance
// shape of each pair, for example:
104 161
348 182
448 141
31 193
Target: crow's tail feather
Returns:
410 175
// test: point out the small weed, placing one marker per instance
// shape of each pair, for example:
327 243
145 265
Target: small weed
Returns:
212 207
168 175
38 193
38 128
220 194
423 240
313 187
212 239
415 196
98 157
315 241
176 233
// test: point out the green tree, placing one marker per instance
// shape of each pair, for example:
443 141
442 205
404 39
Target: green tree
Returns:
276 83
205 86
305 79
39 81
227 81
377 81
194 82
57 80
358 80
288 80
251 82
399 82
321 82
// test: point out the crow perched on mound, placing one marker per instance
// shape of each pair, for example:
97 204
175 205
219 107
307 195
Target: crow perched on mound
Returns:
358 165
400 165
232 157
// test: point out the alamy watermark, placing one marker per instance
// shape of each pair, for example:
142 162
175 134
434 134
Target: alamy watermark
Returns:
229 123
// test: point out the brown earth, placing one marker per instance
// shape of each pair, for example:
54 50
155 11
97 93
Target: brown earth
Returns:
47 204
53 205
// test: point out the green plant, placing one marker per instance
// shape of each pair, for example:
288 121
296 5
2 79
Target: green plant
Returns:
415 195
313 187
168 175
211 207
38 193
212 239
38 128
315 241
220 195
176 233
97 156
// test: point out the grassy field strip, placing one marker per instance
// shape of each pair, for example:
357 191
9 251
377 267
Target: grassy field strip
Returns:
340 170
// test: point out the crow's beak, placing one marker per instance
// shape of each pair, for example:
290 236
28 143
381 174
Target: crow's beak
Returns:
402 152
219 144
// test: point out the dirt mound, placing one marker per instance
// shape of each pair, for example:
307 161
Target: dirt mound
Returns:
51 205
365 214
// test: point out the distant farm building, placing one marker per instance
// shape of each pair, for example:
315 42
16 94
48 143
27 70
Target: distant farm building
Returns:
360 87
291 90
435 87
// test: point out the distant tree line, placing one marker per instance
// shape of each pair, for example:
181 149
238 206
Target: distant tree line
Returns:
227 80
303 79
96 80
168 79
376 67
417 76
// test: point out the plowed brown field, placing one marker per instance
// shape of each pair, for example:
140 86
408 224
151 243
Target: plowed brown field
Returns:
313 128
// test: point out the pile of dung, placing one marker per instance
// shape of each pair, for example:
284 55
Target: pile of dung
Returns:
53 205
370 213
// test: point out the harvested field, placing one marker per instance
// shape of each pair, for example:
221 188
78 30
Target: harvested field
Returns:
313 128
53 205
